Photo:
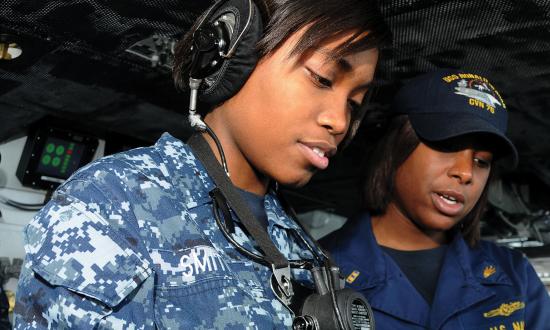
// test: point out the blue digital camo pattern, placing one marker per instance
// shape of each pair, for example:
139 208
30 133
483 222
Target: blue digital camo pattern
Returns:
129 242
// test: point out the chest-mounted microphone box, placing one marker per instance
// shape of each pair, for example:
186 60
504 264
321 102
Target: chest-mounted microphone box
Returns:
52 154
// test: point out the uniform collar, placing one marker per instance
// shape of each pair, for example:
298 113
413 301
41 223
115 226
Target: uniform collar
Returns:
359 252
276 214
187 172
369 270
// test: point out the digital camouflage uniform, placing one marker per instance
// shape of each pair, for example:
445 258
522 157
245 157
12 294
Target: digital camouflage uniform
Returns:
129 242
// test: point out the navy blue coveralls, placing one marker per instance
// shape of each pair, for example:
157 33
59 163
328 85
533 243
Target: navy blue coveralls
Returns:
487 287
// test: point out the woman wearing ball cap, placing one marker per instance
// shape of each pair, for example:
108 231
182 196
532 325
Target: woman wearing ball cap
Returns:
416 252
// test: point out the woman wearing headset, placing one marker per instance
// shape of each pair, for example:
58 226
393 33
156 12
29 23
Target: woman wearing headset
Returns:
416 252
130 241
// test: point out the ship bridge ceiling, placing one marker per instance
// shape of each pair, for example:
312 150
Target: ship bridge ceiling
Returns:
104 67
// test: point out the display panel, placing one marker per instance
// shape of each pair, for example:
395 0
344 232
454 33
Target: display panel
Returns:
60 158
51 155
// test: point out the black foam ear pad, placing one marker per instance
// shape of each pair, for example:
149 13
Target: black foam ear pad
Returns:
234 72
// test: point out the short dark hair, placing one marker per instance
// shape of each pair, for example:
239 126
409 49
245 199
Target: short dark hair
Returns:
383 160
326 19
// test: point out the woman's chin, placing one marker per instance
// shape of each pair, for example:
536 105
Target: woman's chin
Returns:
443 223
296 180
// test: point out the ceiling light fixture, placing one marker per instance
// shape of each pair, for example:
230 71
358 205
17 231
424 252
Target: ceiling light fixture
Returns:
9 50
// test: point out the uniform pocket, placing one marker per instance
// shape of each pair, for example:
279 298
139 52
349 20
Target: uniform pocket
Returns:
82 253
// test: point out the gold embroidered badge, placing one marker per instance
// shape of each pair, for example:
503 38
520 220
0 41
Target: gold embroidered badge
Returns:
488 271
505 309
351 277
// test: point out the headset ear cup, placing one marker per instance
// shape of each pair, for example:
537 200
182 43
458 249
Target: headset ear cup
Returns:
234 71
209 43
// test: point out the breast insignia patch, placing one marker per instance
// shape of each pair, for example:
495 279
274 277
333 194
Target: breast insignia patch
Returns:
505 309
488 271
351 277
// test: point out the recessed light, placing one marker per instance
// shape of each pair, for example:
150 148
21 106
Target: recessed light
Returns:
9 49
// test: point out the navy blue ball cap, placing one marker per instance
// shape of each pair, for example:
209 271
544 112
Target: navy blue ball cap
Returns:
448 103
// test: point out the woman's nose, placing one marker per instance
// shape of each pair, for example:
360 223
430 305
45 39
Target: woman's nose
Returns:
335 117
462 168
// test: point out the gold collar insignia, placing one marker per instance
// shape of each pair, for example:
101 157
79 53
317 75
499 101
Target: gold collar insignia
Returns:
352 276
488 271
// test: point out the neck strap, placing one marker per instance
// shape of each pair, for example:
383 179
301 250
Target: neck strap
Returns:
279 264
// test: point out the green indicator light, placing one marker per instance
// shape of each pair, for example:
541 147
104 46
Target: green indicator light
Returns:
71 146
50 148
60 150
56 161
46 160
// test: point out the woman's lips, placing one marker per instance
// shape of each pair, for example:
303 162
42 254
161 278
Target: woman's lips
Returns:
450 204
314 156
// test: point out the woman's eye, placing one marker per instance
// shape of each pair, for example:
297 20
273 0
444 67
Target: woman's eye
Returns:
482 163
353 105
320 80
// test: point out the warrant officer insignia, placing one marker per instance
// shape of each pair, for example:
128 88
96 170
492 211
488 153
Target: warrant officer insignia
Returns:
505 309
351 277
488 271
